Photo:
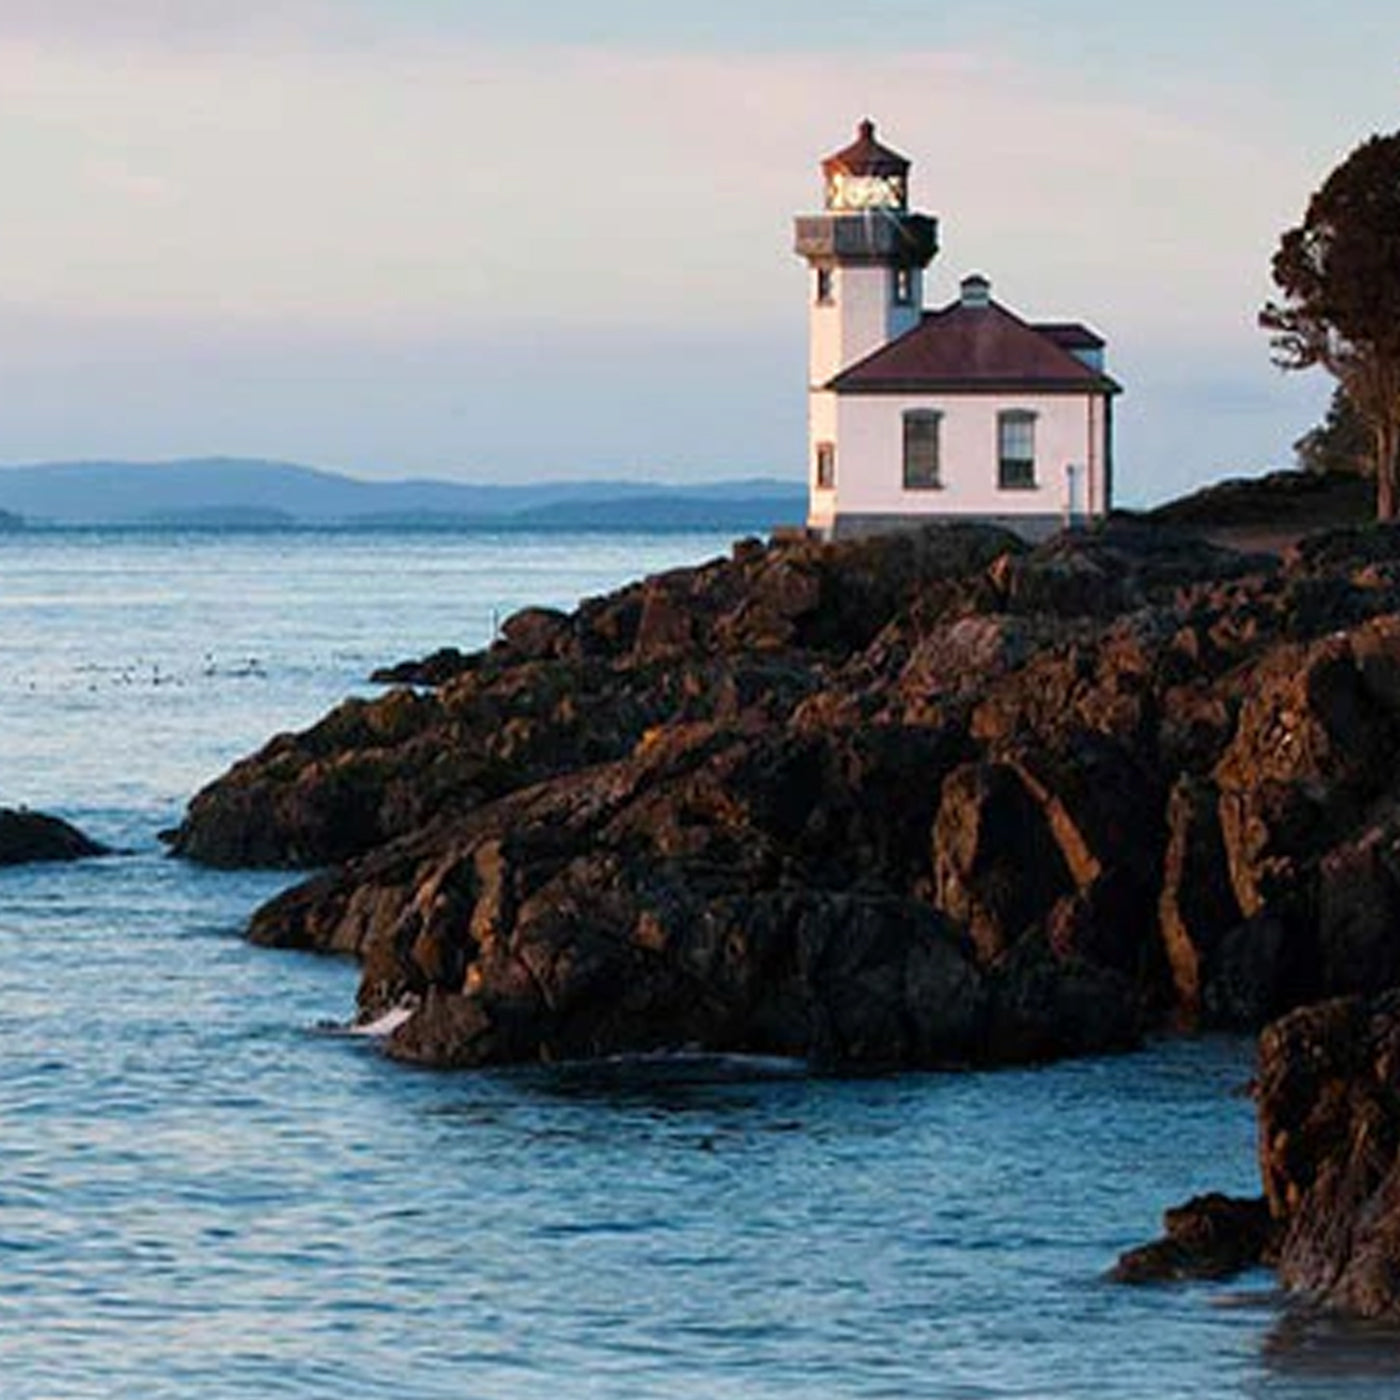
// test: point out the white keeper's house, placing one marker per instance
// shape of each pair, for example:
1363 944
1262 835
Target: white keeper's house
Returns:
964 412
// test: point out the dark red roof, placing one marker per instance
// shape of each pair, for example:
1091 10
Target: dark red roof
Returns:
866 156
1070 334
975 349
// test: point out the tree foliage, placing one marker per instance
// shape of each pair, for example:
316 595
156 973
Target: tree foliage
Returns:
1341 445
1339 275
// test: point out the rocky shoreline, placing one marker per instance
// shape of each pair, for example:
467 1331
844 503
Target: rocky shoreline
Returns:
932 799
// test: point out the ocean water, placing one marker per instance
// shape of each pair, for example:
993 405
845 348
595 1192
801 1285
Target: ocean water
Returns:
204 1191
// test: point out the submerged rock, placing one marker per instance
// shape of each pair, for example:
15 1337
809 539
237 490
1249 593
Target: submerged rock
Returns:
29 837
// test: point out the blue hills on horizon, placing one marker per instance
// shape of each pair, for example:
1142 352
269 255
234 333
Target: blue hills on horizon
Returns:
222 492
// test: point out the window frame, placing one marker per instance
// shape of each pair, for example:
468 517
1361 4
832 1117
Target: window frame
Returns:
1015 470
902 286
915 420
824 466
825 293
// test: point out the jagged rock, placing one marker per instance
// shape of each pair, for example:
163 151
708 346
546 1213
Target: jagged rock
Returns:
1327 1092
1046 1007
377 770
730 891
1058 841
997 869
959 658
445 664
1210 1237
1352 547
1358 913
834 978
1131 779
30 837
1329 1132
557 692
1261 968
1311 748
1116 569
1197 908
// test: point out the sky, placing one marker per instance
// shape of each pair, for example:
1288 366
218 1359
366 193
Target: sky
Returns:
490 241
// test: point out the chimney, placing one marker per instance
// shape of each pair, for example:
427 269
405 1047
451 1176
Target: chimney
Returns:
976 291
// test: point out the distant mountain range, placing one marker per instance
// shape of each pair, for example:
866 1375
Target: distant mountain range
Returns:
233 493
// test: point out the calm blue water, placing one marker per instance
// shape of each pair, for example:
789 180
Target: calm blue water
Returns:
203 1194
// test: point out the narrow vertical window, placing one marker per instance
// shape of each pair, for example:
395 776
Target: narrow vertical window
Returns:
921 468
1016 450
826 465
825 290
902 286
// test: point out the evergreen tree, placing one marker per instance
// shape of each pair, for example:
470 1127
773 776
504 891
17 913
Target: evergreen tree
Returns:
1339 275
1342 443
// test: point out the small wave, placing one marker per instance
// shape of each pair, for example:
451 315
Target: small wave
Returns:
1263 1299
376 1029
386 1024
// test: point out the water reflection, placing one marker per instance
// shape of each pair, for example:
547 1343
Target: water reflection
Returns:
664 1077
1307 1342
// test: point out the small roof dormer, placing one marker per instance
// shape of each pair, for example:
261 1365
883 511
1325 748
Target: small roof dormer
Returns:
866 175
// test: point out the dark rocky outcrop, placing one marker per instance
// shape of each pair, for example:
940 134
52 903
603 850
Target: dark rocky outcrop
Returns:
1328 1099
445 664
1303 500
1210 1237
1329 1145
741 640
930 798
30 837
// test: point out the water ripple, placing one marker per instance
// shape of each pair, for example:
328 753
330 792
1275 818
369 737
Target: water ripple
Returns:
201 1196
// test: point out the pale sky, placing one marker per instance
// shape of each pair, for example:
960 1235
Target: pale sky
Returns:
494 241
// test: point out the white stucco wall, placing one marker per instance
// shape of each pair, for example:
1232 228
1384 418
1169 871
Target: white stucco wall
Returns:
870 455
821 427
860 318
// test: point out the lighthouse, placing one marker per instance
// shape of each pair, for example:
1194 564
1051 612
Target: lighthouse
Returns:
867 254
964 412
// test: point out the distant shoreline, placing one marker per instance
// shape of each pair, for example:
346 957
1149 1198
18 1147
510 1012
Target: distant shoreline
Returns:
224 496
445 527
220 493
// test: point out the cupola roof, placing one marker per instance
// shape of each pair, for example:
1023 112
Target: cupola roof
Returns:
866 156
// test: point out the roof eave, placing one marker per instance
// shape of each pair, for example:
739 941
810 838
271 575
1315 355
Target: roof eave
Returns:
1101 385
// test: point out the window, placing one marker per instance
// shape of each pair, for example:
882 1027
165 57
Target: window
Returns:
1016 450
921 450
902 286
825 291
826 466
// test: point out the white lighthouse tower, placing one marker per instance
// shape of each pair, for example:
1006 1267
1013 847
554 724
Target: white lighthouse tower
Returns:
867 253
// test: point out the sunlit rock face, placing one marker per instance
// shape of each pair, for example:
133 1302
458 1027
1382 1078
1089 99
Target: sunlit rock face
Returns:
1329 1135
